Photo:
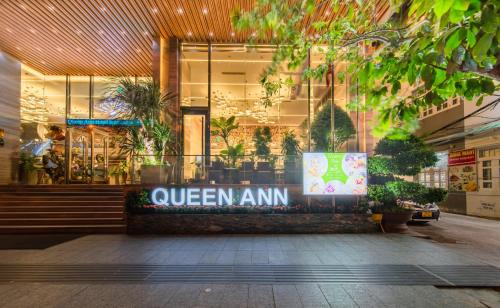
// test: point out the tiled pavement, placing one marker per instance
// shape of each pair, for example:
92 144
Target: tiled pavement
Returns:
344 249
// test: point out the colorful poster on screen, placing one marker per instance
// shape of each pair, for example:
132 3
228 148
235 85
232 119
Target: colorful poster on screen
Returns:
335 173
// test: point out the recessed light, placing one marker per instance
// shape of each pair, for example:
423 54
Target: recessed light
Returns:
101 32
96 63
51 7
38 49
18 48
22 6
8 30
180 10
103 9
59 49
79 49
190 33
138 50
124 32
145 33
43 62
254 34
33 31
54 30
327 13
211 33
154 10
99 50
204 10
233 34
78 32
118 50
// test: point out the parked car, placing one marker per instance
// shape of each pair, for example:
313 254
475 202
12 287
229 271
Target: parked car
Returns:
426 212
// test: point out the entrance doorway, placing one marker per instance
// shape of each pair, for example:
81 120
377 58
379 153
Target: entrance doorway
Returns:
88 158
196 138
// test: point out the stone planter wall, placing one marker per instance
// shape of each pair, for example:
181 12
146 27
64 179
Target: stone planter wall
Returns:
249 223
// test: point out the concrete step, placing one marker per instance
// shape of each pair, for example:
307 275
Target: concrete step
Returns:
60 221
34 229
49 215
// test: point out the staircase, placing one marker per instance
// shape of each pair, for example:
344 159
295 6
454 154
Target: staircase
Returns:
62 209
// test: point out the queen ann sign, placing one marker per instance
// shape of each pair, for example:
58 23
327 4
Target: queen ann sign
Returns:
197 196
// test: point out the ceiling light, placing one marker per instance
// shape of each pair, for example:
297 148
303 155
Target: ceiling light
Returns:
154 10
18 48
204 11
22 6
118 50
54 30
124 32
101 32
180 10
43 62
190 33
78 32
79 49
145 33
51 7
103 9
38 49
8 30
96 62
211 33
138 50
327 13
59 49
99 50
233 34
33 31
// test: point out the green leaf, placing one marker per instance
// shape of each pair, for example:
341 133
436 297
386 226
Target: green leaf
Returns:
487 86
461 5
456 15
481 48
453 42
489 19
479 101
440 77
471 38
441 7
428 75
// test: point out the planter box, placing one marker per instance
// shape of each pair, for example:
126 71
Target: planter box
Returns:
249 223
151 174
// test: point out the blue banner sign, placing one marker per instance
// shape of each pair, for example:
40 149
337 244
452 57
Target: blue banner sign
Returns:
103 122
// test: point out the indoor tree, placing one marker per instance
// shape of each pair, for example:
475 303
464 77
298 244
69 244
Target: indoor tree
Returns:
438 48
321 132
223 127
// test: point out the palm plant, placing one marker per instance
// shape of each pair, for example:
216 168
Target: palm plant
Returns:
261 138
143 101
223 127
232 153
162 140
133 143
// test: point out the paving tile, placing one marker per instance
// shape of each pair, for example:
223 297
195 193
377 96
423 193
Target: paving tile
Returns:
286 296
311 296
337 296
260 296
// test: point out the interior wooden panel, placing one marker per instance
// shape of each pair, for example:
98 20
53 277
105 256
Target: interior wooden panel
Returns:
114 37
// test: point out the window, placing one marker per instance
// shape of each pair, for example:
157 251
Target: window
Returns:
450 103
487 176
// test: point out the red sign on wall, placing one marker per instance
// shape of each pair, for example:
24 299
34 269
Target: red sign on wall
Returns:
464 157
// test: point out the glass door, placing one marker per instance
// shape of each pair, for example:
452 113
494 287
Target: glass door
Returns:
195 129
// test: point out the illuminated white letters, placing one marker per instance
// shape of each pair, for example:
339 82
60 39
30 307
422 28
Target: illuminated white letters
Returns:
159 196
228 197
193 193
196 196
208 193
247 197
282 196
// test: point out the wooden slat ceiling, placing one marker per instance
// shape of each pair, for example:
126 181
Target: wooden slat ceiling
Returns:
113 37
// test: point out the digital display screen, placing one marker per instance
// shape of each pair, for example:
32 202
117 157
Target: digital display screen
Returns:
335 174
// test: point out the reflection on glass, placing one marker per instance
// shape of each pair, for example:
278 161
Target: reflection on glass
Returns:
80 97
194 65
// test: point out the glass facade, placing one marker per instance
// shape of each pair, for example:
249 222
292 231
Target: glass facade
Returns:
61 154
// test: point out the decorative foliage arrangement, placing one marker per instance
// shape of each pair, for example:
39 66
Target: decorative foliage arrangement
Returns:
223 127
449 46
321 129
146 103
405 158
290 146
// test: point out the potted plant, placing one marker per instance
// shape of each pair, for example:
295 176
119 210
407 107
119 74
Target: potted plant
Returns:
152 141
388 192
28 168
290 148
223 127
121 172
